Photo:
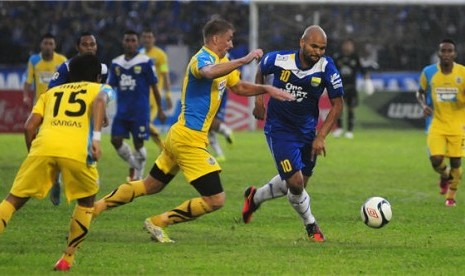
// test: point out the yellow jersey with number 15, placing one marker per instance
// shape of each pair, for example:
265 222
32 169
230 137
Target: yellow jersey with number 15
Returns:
66 129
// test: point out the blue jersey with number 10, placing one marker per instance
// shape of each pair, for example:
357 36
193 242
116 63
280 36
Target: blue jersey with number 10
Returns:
299 118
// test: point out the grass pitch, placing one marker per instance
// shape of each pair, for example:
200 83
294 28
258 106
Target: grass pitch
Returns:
423 238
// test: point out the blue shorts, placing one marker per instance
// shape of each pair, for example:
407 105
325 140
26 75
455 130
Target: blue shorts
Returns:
291 156
138 129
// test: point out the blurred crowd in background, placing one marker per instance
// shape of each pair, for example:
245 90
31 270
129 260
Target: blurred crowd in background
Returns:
389 38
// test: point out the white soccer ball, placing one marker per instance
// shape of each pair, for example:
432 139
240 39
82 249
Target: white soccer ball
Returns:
376 212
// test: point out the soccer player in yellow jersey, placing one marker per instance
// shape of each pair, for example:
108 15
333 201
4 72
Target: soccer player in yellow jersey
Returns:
208 75
41 67
63 135
160 60
442 95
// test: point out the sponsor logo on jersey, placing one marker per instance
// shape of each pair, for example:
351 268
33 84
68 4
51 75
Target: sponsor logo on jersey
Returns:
296 91
126 82
137 69
315 81
336 80
446 94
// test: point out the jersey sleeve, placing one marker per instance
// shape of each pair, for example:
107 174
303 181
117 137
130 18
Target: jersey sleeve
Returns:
333 80
151 73
61 76
200 61
423 82
267 62
112 79
29 72
163 62
111 94
39 107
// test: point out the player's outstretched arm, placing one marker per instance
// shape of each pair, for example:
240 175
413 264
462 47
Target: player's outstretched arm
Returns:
244 88
221 69
427 110
98 115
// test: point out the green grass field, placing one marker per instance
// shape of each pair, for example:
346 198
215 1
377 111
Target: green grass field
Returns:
423 238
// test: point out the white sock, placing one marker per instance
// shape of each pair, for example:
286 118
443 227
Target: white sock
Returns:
224 129
273 189
301 204
125 152
141 158
214 143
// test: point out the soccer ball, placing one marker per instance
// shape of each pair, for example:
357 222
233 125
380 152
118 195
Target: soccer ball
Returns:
376 212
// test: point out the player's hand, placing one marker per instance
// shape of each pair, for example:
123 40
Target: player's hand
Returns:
279 94
255 54
161 115
96 150
169 103
427 110
27 100
259 111
318 147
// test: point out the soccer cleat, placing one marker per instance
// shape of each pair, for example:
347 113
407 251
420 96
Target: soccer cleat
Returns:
450 202
62 265
230 138
55 193
338 132
158 233
249 206
314 233
443 186
220 158
349 135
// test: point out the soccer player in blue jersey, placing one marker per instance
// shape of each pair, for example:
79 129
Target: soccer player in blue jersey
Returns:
208 75
290 127
85 44
133 75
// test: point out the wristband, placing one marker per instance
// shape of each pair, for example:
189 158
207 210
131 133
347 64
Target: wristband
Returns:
97 135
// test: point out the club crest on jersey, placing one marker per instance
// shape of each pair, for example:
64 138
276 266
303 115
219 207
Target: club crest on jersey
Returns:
211 160
137 69
117 71
315 81
459 80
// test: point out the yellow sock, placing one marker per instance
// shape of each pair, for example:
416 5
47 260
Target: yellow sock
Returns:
6 212
456 174
78 230
125 193
188 210
442 169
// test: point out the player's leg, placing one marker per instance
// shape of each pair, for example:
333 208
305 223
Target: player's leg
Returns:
455 151
436 147
253 197
212 139
212 198
140 154
119 131
201 170
80 182
55 192
154 133
34 179
351 103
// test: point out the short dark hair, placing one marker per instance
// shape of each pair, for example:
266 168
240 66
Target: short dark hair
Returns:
131 32
47 35
448 40
216 26
78 39
85 67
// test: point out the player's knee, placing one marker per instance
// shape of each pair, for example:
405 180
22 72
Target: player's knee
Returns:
215 201
117 142
436 161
